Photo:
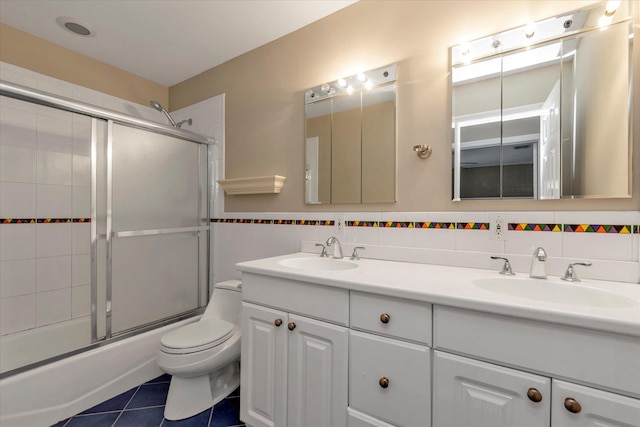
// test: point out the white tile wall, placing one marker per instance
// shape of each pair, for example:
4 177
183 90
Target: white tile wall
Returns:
45 171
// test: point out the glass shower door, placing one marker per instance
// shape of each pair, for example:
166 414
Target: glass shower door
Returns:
157 228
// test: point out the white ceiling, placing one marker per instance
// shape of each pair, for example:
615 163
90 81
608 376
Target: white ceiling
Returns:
166 41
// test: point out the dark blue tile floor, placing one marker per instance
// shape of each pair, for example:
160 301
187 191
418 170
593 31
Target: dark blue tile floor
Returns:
143 406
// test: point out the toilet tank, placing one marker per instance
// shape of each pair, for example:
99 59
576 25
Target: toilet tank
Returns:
225 302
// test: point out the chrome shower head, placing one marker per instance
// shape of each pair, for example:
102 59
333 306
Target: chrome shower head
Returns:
159 107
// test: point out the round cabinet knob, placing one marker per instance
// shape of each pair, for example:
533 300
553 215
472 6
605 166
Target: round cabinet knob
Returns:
384 382
291 326
572 405
384 318
278 322
534 395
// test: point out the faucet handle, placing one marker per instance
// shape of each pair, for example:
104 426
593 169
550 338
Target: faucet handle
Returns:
570 275
354 255
324 253
540 253
506 268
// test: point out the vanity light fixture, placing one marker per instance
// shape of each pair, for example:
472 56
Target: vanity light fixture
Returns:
539 32
364 80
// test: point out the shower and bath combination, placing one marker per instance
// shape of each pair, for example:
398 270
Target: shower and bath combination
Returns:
159 107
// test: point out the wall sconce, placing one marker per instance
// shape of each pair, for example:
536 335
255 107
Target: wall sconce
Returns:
423 150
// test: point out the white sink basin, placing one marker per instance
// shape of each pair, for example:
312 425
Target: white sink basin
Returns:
556 292
318 264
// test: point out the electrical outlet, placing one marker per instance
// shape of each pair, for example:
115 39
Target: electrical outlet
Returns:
498 227
339 224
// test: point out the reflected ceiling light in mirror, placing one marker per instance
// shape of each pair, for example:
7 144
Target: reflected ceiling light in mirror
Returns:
355 83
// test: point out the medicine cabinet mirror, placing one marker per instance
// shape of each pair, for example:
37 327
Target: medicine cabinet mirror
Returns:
350 139
543 111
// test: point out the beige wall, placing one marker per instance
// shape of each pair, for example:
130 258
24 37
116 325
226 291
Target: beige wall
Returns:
26 51
265 101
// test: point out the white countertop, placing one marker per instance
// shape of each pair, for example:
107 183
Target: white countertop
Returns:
452 286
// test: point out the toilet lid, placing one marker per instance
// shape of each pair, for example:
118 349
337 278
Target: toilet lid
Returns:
197 336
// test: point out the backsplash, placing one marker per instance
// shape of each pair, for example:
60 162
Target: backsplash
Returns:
608 239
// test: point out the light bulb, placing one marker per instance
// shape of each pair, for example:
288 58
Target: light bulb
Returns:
349 89
530 29
368 85
612 6
604 21
361 77
342 83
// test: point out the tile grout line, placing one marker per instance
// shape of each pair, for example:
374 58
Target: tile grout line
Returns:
125 406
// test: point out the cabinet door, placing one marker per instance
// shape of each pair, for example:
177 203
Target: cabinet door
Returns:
317 377
469 393
263 366
390 380
578 406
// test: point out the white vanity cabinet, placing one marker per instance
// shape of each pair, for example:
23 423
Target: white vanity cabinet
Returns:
470 392
389 362
294 367
467 392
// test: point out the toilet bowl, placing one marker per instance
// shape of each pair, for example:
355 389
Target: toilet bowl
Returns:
204 357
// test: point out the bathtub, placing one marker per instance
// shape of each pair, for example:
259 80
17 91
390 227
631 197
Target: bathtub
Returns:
47 394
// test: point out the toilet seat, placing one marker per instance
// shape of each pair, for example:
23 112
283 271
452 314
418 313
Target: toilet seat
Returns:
197 336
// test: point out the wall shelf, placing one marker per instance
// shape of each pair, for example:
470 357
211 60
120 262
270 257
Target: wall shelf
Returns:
271 184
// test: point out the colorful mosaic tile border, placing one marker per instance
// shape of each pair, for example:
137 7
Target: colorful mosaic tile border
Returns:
535 227
514 226
437 225
598 228
567 228
43 220
472 225
273 221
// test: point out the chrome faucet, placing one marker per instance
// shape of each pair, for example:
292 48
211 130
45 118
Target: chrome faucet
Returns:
570 275
506 267
538 270
337 249
323 254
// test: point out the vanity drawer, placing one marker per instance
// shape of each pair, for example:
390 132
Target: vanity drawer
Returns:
390 379
393 317
598 358
317 301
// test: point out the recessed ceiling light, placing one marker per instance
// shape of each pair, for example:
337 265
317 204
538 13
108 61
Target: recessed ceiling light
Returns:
75 26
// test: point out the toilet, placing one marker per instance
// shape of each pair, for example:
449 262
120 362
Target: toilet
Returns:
204 357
